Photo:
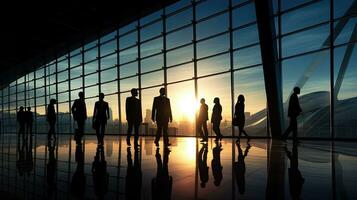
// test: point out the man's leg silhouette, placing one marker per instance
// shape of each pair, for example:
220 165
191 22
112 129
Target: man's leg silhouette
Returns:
128 133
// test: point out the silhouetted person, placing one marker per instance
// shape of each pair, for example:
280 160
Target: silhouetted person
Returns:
79 112
134 176
28 121
78 183
21 120
202 121
216 118
216 164
100 117
296 180
161 113
133 116
239 116
100 174
161 185
51 117
202 165
294 111
239 167
51 169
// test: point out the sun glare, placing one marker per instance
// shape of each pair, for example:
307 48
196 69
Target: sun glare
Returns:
187 107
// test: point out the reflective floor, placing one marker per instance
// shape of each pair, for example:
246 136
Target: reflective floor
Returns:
35 168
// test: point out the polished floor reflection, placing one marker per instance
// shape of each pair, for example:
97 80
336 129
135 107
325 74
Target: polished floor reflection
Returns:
35 168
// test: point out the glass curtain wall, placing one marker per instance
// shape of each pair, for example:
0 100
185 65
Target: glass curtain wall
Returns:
195 49
316 42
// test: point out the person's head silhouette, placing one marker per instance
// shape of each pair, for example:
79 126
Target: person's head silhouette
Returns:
296 90
28 108
53 101
81 95
216 100
134 92
21 108
241 98
162 92
101 96
203 101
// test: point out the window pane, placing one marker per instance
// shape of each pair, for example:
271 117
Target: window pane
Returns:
243 15
113 121
76 83
212 26
179 19
180 37
91 67
91 79
108 47
250 83
311 73
222 90
213 65
245 36
128 84
128 69
152 63
183 106
91 91
151 31
305 41
210 7
91 54
154 78
109 88
75 72
128 40
247 57
346 34
181 72
128 55
345 89
108 75
108 61
315 13
180 55
151 47
213 46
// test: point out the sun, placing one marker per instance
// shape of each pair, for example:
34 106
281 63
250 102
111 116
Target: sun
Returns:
187 106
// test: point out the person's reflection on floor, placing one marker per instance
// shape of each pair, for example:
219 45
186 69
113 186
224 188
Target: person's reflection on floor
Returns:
161 185
51 168
24 162
216 164
239 167
100 174
78 183
202 165
134 176
296 180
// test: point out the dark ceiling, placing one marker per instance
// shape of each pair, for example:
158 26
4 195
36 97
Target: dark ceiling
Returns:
34 33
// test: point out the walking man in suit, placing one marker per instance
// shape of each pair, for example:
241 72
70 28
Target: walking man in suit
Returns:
294 111
161 113
133 116
100 117
202 121
79 112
